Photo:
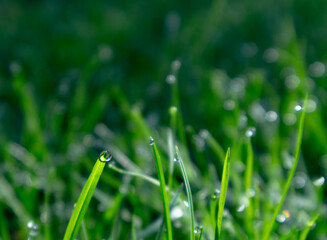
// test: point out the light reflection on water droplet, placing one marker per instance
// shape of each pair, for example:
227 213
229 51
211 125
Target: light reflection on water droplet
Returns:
271 116
280 218
250 132
229 105
216 194
197 229
204 133
151 141
241 208
105 156
33 228
298 108
186 203
176 213
172 110
176 160
319 181
171 79
250 193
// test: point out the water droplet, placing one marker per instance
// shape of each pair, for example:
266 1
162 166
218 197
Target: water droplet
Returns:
271 116
250 132
105 156
171 79
243 120
173 110
317 69
151 141
257 112
186 203
292 81
289 119
311 106
241 208
197 229
204 133
15 68
111 164
105 52
229 105
176 159
33 228
216 194
280 218
176 65
319 181
299 181
176 213
270 55
298 108
250 193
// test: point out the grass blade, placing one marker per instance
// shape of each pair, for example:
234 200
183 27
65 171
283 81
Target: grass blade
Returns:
223 191
164 196
306 230
291 174
85 196
188 192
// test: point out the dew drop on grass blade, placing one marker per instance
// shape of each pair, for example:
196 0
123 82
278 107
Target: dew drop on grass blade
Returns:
164 195
287 185
85 196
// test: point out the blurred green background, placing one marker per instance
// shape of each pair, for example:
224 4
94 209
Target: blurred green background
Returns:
79 76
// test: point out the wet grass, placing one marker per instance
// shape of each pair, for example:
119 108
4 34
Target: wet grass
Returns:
109 76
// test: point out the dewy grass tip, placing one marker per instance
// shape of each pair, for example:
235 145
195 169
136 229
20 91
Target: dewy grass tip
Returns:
164 195
85 196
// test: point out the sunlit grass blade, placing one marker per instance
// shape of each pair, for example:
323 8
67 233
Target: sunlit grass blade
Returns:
85 196
287 185
223 191
307 229
188 192
164 195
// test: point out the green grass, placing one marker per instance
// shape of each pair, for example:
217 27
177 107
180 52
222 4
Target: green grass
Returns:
290 176
163 191
79 77
223 192
188 193
85 197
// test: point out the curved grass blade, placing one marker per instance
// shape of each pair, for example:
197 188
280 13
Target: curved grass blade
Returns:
85 196
290 175
164 195
223 191
188 192
306 230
